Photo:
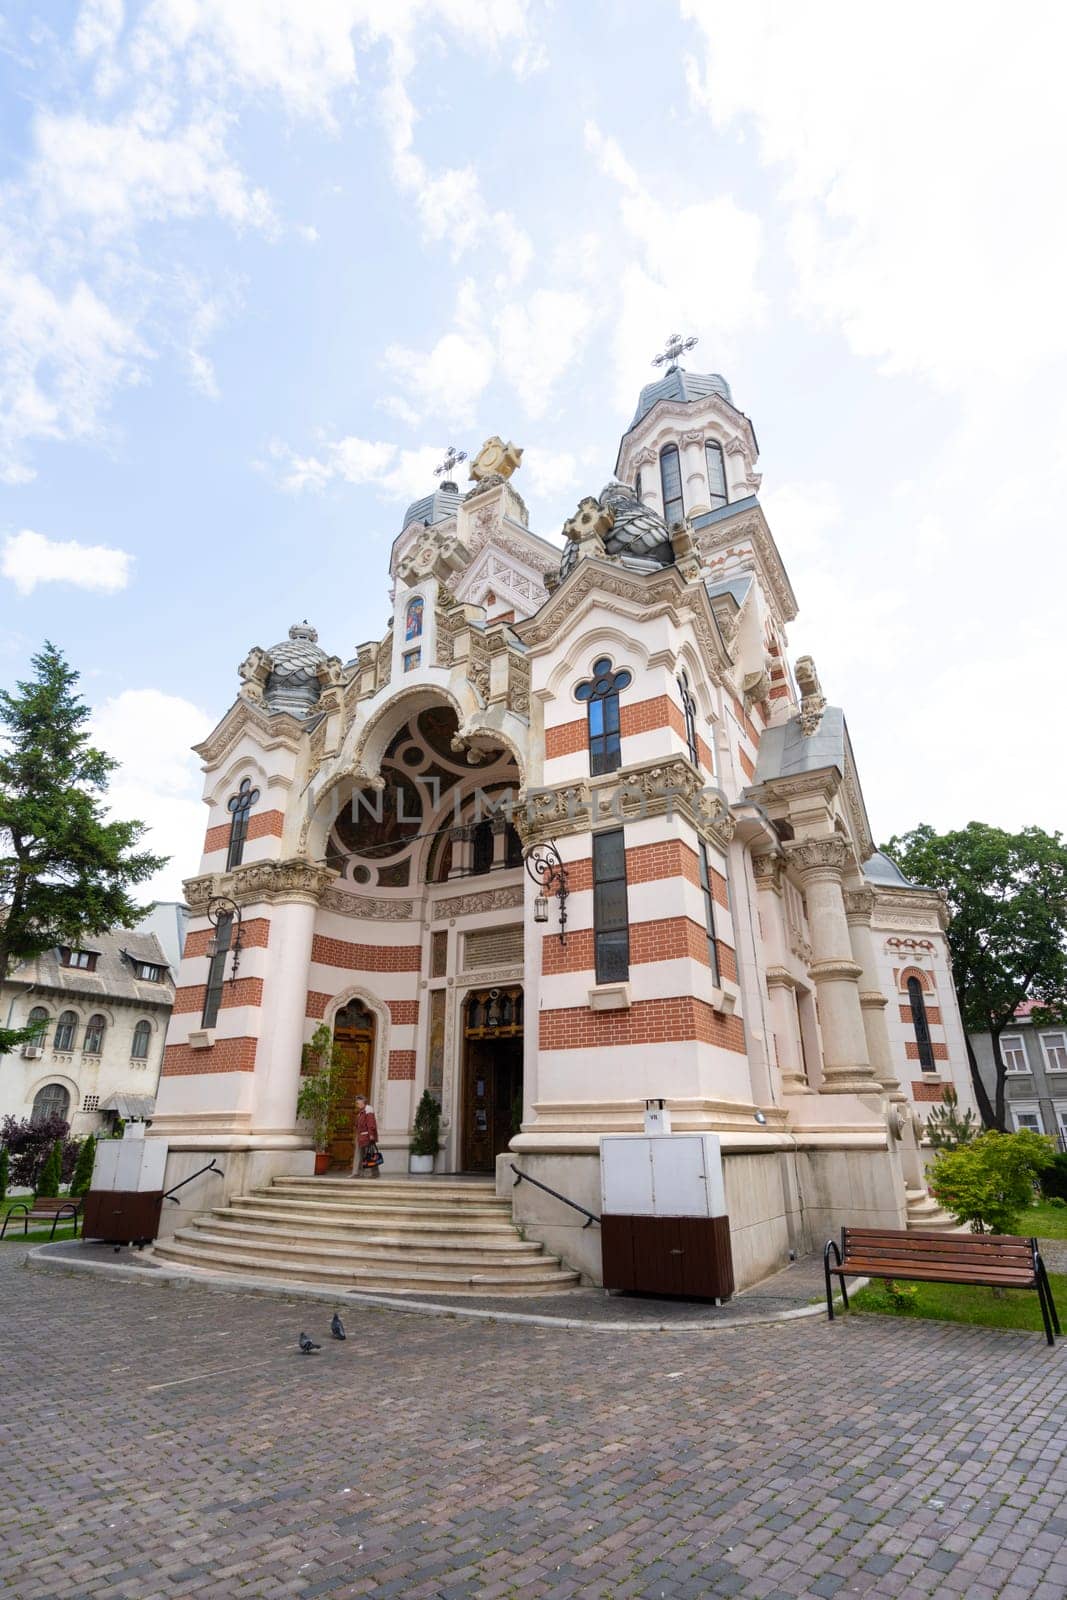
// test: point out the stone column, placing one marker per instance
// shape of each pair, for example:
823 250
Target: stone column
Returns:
767 870
297 889
859 907
821 864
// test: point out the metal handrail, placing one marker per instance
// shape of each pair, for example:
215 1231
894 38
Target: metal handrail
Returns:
169 1194
525 1176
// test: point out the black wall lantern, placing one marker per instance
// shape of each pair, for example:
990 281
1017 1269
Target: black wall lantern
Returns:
546 868
224 916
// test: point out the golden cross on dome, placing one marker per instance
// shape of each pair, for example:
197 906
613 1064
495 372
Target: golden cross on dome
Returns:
453 457
676 346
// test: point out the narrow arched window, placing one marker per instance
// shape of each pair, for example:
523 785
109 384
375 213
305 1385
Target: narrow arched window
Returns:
239 805
413 618
38 1021
66 1028
716 474
689 710
94 1035
141 1036
670 473
51 1101
921 1025
637 485
601 696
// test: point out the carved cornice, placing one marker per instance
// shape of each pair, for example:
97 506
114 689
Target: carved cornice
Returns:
280 730
296 879
493 975
819 857
781 978
911 908
768 871
731 532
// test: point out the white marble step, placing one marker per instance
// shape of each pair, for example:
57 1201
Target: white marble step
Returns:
248 1225
458 1264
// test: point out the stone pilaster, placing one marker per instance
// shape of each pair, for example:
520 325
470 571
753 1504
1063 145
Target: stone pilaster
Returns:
859 907
821 864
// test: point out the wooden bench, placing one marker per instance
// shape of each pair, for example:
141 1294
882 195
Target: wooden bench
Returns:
59 1208
991 1260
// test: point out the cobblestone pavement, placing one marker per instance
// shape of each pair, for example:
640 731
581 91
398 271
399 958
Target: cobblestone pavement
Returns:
168 1442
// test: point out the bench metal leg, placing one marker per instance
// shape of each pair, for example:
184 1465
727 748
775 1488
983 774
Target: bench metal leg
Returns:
831 1244
1048 1306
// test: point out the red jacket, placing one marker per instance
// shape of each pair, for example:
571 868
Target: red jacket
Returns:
366 1128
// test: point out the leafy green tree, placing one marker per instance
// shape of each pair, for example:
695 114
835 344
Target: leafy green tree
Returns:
990 1182
946 1129
319 1095
66 869
1007 896
83 1171
48 1179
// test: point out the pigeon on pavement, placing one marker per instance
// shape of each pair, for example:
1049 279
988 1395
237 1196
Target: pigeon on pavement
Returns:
337 1327
308 1345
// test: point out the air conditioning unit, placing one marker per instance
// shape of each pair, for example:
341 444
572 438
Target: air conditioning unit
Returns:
32 1051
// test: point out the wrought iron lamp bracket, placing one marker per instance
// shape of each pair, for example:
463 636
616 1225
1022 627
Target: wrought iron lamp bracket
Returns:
221 905
545 866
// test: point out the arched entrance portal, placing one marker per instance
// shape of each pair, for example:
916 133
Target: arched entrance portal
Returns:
353 1031
492 1074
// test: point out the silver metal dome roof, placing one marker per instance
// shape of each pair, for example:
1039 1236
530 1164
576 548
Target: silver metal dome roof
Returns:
293 682
680 385
638 534
444 502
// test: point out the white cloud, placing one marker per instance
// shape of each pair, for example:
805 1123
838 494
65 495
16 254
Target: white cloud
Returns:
30 558
158 780
397 474
694 264
447 381
917 161
539 339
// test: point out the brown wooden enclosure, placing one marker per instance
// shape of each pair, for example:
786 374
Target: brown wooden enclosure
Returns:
688 1256
492 1074
353 1031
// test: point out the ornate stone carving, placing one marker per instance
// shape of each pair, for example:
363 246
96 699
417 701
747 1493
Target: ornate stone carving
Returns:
591 521
480 979
715 817
435 556
276 881
477 904
370 906
859 904
495 459
767 871
253 672
812 699
831 854
756 686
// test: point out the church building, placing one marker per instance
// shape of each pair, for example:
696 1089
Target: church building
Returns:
575 834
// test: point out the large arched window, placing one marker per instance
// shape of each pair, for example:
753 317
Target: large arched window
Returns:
670 473
141 1036
66 1028
716 474
601 694
51 1101
921 1025
239 805
94 1035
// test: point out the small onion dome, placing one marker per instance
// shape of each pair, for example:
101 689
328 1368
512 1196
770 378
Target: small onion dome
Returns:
680 385
293 682
638 536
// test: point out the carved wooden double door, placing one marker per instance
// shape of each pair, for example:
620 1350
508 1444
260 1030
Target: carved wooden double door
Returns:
353 1031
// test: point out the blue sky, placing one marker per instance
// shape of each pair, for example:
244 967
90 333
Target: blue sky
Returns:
260 263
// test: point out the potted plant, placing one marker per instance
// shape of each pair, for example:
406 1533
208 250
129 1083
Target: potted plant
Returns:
319 1094
425 1134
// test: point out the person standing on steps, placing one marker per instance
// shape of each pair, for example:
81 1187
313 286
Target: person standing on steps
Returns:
368 1156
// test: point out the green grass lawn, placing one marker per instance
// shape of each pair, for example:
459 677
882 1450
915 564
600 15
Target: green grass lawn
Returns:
951 1302
1047 1222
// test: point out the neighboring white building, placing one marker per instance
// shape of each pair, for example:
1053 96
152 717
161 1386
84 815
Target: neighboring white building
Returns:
103 1011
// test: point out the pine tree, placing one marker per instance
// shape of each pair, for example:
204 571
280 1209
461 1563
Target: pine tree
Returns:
83 1171
47 1185
946 1127
65 867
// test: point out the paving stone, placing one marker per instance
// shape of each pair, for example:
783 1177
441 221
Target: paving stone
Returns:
430 1458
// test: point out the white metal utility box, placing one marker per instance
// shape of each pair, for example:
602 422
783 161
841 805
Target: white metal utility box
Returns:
664 1227
133 1165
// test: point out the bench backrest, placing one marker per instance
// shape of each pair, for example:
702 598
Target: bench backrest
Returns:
52 1202
891 1247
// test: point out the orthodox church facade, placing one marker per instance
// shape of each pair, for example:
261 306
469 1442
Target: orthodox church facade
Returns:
573 835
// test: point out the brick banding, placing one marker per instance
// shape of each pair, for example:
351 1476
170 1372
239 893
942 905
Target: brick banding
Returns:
225 1055
261 825
911 1050
255 935
365 957
235 992
666 939
402 1064
647 1022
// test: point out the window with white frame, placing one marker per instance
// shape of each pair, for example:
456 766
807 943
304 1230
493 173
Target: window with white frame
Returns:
1026 1116
1013 1053
1055 1048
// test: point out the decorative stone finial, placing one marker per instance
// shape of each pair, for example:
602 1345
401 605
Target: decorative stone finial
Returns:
302 630
812 699
495 459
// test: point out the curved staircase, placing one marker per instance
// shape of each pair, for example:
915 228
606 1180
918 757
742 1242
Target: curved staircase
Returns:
926 1216
399 1236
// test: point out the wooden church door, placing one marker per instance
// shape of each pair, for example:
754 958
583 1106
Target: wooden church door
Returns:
353 1031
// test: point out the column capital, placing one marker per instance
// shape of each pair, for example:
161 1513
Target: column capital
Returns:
297 880
767 870
859 904
827 857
